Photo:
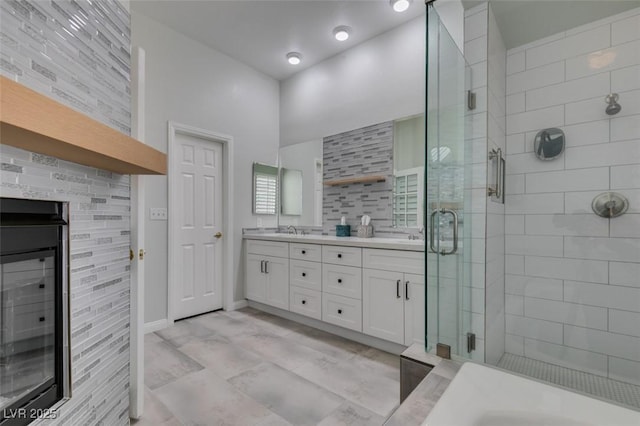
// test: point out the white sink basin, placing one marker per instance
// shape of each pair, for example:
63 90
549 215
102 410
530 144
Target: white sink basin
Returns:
484 396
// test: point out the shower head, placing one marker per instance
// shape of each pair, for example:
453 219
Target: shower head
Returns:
613 106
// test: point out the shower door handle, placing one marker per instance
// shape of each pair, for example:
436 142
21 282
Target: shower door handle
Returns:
432 229
432 223
497 191
455 232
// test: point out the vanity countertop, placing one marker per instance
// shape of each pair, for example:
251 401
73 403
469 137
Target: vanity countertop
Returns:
374 242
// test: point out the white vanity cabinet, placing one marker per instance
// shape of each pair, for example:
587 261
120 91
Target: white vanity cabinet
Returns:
376 291
393 295
267 276
305 278
342 286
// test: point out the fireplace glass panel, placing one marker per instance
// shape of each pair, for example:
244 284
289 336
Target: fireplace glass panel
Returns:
27 329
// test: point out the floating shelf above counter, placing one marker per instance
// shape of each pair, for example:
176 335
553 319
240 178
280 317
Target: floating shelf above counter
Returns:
34 122
356 179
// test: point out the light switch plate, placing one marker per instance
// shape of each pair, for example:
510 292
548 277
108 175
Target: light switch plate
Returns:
157 213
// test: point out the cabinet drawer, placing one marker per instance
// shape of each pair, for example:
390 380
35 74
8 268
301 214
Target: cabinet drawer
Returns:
411 262
342 311
312 252
268 248
342 280
305 302
306 274
347 256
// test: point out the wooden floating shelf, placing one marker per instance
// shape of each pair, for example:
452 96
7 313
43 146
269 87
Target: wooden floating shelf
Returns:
358 179
34 122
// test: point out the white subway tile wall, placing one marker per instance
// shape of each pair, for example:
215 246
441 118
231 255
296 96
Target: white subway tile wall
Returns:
78 54
573 278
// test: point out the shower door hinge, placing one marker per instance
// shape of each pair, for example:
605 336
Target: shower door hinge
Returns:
443 351
471 342
471 100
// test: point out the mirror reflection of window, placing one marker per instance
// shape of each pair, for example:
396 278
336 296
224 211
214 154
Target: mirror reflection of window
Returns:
265 189
408 171
438 155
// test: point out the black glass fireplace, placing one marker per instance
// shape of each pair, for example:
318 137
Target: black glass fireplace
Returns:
31 309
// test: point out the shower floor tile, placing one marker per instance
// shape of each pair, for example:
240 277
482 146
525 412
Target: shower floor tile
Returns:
602 387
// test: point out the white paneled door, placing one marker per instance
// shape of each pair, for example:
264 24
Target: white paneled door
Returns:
198 233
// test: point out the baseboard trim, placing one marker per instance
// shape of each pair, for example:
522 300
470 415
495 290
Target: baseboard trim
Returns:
238 304
150 327
374 342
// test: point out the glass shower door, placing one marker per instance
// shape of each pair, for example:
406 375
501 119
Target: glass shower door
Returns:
448 289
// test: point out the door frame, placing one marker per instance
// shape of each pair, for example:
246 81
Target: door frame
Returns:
136 351
228 277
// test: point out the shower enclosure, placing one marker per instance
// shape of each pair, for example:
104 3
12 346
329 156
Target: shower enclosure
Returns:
534 249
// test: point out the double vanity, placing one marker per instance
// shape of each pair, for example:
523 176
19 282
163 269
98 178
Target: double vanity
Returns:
373 286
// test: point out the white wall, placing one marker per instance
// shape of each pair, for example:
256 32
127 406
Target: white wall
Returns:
379 80
194 85
572 286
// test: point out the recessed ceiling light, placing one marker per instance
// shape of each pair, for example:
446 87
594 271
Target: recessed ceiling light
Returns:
341 33
400 5
294 58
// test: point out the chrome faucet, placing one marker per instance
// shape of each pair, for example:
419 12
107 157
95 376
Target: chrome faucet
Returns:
291 227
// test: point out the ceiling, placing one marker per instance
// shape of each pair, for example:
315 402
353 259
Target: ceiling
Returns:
523 21
261 33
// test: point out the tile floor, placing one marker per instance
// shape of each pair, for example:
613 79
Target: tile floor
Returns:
247 367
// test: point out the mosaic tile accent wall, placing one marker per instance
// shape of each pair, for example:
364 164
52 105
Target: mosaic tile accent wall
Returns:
77 52
366 151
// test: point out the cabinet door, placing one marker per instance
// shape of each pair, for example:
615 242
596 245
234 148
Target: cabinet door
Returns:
414 330
277 277
254 280
383 305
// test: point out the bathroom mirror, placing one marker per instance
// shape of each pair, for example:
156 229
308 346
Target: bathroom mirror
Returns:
305 158
408 171
265 189
290 192
549 144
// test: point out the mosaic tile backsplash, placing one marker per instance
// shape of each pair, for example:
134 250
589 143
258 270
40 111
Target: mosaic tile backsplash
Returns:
366 151
78 53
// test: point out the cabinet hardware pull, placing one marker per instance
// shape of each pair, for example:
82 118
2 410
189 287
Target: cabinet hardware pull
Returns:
262 266
41 285
41 319
266 266
340 311
398 289
339 280
339 255
406 290
304 252
304 274
304 302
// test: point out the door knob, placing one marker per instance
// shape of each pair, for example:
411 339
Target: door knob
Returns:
218 235
141 254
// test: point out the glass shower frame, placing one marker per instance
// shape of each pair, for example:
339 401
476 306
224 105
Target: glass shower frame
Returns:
447 220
